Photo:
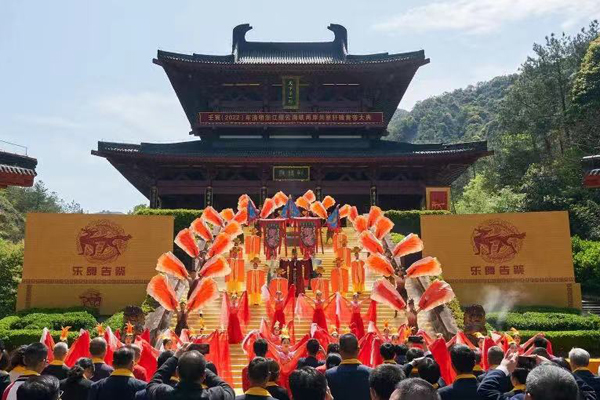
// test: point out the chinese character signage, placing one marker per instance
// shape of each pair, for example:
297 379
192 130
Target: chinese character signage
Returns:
290 118
522 252
438 198
86 258
291 173
291 92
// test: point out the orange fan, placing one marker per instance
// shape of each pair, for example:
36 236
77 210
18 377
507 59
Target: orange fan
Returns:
233 229
379 264
383 226
169 264
353 213
318 208
227 214
310 196
201 229
205 292
360 223
243 202
159 289
370 243
384 292
268 208
374 214
216 267
280 199
241 217
409 245
301 202
428 266
438 293
212 216
344 210
186 241
222 244
328 202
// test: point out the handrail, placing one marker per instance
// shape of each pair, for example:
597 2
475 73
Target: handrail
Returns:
16 145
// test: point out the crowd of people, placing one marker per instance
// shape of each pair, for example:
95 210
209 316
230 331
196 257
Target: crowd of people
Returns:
406 373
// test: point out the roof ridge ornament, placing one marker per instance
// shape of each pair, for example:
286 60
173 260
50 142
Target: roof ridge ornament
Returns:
341 36
239 36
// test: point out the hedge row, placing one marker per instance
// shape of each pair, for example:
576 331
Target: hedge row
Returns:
543 321
409 221
563 341
183 217
586 261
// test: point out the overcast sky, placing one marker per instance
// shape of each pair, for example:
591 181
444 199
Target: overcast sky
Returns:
76 72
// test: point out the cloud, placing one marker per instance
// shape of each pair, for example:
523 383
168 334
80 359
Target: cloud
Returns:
487 16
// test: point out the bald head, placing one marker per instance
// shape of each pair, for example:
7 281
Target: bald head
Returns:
348 346
60 351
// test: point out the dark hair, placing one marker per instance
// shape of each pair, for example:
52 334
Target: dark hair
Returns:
312 346
429 370
563 363
16 357
77 370
387 351
43 387
477 356
551 382
191 366
308 383
413 353
384 378
274 370
463 359
4 361
540 351
332 360
258 370
199 347
415 389
540 342
348 344
495 355
97 347
401 349
520 374
333 348
260 347
35 354
163 357
123 357
166 340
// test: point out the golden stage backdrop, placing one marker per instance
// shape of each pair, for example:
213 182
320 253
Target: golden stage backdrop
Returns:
524 257
97 260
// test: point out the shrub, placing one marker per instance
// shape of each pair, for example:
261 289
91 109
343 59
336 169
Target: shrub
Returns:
115 321
11 268
396 237
92 311
183 217
563 341
76 320
586 260
541 322
409 221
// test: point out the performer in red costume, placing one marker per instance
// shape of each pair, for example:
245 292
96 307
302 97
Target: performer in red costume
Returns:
235 316
356 320
305 306
279 308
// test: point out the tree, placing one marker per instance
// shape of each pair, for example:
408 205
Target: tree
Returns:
11 267
477 199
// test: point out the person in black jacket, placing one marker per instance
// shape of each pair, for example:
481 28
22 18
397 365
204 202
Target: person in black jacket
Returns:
388 353
162 358
411 355
465 384
309 384
191 367
350 379
551 382
276 391
430 371
312 348
98 352
383 380
495 355
39 388
121 384
580 362
77 384
507 373
258 375
57 367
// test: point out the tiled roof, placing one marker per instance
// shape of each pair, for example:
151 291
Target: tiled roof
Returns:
10 169
321 148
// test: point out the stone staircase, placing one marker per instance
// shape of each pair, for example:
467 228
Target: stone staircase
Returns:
212 313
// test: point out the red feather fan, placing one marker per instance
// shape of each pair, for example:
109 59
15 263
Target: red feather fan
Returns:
384 292
360 223
215 267
318 208
186 241
212 216
379 265
301 202
169 264
233 229
353 213
205 292
374 214
428 266
243 202
280 199
310 196
438 293
370 243
201 229
268 208
328 202
383 226
159 289
344 211
409 245
222 244
241 217
227 214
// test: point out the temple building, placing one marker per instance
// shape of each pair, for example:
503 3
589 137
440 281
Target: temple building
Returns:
16 169
274 116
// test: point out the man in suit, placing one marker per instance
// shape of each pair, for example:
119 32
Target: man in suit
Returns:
415 389
57 367
98 352
495 355
258 375
551 382
121 384
308 383
162 358
580 361
465 384
191 367
350 379
383 380
35 359
388 353
312 348
260 348
492 387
